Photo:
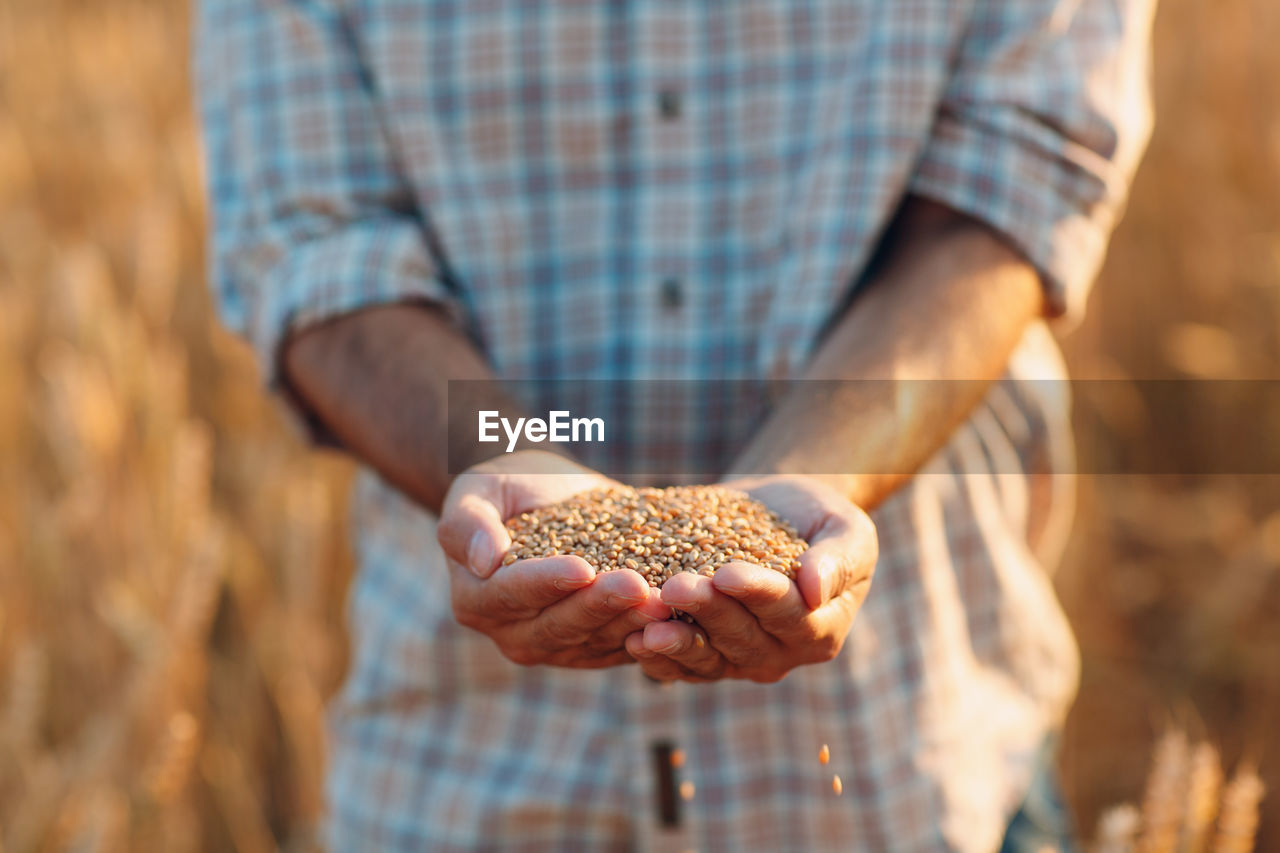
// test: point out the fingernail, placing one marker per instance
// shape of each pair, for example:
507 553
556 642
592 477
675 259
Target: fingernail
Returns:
621 602
672 598
733 587
671 648
480 554
570 584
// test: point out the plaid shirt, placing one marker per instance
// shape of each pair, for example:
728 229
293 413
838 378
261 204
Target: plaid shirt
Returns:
687 190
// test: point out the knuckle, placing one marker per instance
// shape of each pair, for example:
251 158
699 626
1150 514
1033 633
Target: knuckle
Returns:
748 642
596 611
745 655
555 633
817 646
468 618
505 599
808 633
520 654
597 646
467 615
827 647
767 675
713 669
446 532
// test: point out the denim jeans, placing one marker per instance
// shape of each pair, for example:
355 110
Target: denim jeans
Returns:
1043 822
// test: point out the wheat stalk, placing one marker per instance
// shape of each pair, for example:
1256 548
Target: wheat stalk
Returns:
1165 796
1238 822
1203 788
169 768
1118 829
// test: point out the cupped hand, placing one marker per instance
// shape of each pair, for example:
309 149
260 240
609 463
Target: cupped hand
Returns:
550 610
753 622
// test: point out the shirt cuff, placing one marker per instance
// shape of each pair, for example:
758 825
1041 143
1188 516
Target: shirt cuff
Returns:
362 265
1053 206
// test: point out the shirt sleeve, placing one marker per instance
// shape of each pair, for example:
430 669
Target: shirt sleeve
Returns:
1040 129
311 216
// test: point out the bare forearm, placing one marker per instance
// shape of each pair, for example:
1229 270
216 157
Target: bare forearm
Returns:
378 379
950 302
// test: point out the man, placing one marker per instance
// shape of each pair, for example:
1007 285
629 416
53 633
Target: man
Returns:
406 193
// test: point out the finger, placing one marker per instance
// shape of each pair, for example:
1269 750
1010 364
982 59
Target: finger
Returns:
573 620
781 611
770 596
730 627
654 665
611 636
687 646
820 635
521 590
842 556
472 532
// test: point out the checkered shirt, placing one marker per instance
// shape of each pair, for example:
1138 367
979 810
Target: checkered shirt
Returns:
680 190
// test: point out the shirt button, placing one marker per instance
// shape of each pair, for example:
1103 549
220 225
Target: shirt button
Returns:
672 293
669 104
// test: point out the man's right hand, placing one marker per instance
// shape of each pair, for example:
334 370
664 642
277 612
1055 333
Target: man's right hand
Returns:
549 610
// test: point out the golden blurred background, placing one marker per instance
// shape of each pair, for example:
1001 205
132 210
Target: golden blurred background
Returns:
173 560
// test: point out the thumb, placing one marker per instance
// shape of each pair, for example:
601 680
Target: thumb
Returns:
837 561
472 533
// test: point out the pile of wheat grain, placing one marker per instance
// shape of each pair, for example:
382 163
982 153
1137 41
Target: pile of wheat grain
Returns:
659 532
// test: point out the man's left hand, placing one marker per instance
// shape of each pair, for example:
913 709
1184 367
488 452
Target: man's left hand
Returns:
753 622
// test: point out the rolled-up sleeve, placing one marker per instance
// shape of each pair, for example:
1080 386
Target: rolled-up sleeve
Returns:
311 215
1041 128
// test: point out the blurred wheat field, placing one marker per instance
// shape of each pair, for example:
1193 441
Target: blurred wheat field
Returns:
1173 584
173 561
